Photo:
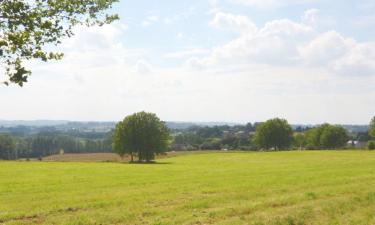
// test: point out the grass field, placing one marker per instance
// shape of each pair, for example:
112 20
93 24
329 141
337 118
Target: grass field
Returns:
326 187
102 157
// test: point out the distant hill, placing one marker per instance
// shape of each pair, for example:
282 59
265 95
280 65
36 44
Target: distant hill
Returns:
32 123
99 126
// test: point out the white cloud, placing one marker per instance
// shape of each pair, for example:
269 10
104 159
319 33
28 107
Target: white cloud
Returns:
143 67
281 68
150 20
190 52
314 18
326 47
360 61
237 23
285 28
270 4
287 43
274 43
311 17
340 55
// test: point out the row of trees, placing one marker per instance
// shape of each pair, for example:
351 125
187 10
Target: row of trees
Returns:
41 145
7 147
278 134
143 135
273 134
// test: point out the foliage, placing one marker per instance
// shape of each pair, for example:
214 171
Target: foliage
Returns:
211 144
299 140
187 139
371 145
7 147
213 138
372 127
142 134
327 136
274 133
333 137
46 143
29 27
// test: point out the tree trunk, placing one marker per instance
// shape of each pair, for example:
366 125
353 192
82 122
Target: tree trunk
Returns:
131 157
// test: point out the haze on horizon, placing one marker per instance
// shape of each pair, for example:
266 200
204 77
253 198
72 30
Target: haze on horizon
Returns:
240 61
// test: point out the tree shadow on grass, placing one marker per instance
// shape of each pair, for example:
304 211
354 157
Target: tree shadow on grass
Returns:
147 163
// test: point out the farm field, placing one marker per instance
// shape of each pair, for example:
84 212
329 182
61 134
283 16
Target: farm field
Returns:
102 157
312 187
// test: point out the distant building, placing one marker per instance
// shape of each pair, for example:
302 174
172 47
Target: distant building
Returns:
357 144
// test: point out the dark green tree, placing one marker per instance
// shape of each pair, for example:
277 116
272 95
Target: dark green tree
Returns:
275 133
333 137
7 147
372 128
327 136
27 27
371 145
313 136
143 134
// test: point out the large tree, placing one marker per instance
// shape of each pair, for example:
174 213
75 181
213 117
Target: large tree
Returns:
29 27
372 127
327 136
142 134
275 133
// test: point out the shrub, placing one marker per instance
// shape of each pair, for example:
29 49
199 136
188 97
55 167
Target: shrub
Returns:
371 145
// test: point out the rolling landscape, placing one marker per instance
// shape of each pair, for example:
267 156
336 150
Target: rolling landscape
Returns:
331 187
188 112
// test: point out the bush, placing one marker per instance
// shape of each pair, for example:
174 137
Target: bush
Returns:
371 145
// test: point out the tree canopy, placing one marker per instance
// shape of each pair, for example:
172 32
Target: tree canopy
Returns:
275 133
327 136
142 134
28 27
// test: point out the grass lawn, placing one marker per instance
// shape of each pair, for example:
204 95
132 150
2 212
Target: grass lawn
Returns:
315 187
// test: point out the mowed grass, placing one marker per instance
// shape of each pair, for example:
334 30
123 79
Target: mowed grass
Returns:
314 187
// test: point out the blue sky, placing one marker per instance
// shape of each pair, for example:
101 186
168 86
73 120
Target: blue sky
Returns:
309 61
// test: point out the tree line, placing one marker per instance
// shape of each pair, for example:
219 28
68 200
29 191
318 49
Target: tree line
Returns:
274 134
44 144
143 135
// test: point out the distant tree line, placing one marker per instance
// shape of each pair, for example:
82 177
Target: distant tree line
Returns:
213 138
274 134
143 135
44 144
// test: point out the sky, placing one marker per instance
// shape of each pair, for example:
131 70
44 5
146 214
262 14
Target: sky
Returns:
308 61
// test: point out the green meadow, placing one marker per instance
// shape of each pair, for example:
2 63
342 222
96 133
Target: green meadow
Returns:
309 187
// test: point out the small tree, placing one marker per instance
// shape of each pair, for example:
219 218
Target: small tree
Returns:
275 133
371 145
142 134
